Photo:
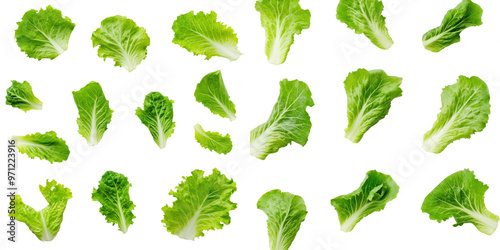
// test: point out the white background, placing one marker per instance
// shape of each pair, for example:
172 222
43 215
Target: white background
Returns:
326 167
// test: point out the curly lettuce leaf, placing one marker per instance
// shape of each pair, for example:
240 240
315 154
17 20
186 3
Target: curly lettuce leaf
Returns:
44 146
365 16
202 204
285 213
461 196
44 224
465 110
201 34
157 115
369 97
44 33
374 193
212 93
465 15
94 111
122 40
213 141
113 194
20 95
282 20
289 121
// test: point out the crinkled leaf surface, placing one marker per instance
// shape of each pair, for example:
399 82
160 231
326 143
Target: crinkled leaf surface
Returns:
44 33
212 93
20 95
374 193
202 204
44 146
113 194
44 224
213 141
369 97
285 213
465 110
289 121
94 111
157 115
203 35
461 196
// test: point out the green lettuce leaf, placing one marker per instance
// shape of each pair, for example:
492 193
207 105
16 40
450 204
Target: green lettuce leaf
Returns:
465 15
44 33
289 121
213 140
44 146
20 95
122 40
465 110
158 115
212 93
44 224
94 111
374 193
203 35
365 16
113 194
461 196
369 97
282 20
202 204
285 213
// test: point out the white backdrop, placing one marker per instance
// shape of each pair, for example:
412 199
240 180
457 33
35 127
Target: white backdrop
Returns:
328 166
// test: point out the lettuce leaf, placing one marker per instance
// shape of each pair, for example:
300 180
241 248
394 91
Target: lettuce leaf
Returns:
20 95
213 141
369 97
461 196
282 20
44 146
374 193
158 115
465 15
465 110
44 224
202 204
44 33
113 194
212 93
94 111
285 213
122 40
289 121
365 16
203 35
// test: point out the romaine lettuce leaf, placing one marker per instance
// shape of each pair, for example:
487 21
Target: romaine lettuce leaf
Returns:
289 121
202 204
285 213
465 15
122 40
369 97
282 20
461 196
203 35
212 93
158 115
45 224
44 146
44 33
465 110
213 140
374 193
20 95
94 111
113 194
365 16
